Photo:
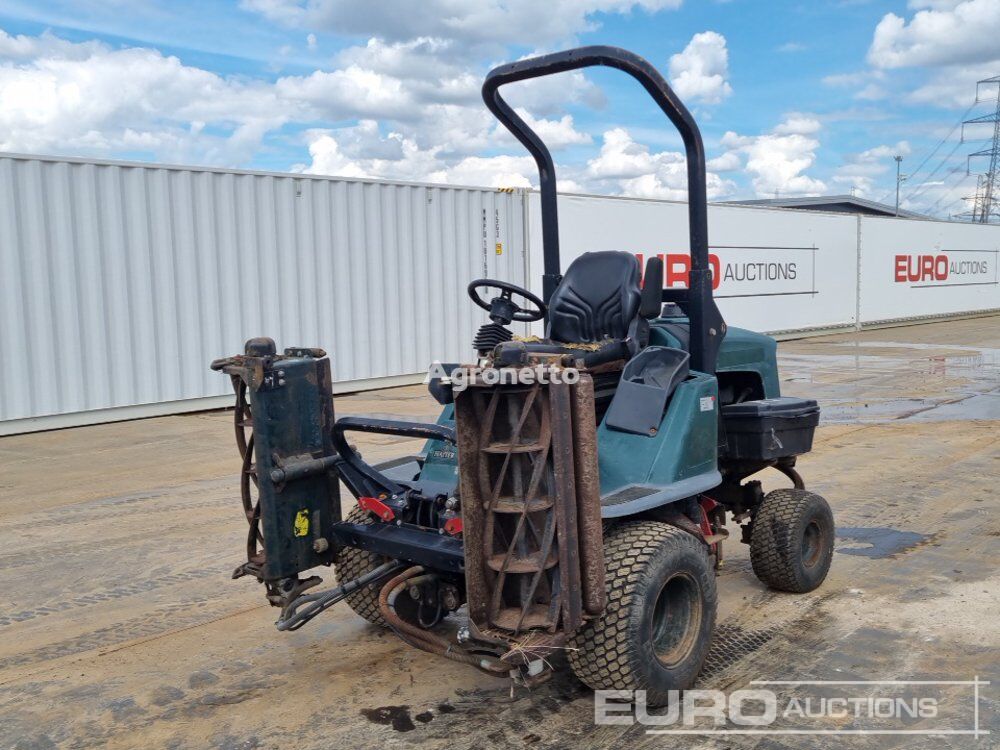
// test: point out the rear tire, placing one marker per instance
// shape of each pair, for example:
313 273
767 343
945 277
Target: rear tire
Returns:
655 633
353 563
791 542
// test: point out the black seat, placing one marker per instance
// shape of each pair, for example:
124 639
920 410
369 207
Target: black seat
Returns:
597 299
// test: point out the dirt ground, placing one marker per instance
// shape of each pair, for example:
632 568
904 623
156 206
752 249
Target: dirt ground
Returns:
121 628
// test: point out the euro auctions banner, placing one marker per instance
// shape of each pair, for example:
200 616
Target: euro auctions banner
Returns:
748 271
941 269
918 268
773 270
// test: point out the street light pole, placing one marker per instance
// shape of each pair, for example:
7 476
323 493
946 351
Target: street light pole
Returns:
899 179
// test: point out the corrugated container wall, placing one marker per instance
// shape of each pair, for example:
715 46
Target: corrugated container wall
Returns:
119 283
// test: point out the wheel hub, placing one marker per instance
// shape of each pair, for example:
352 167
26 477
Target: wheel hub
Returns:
676 621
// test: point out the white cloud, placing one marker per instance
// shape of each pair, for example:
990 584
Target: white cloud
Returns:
955 86
777 160
862 170
409 107
492 171
700 70
23 47
347 93
941 33
479 22
798 124
871 93
556 134
630 168
866 84
934 4
727 162
791 47
361 151
61 97
623 166
329 159
439 70
89 98
434 63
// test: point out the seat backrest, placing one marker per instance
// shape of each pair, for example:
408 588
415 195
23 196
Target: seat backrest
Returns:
597 298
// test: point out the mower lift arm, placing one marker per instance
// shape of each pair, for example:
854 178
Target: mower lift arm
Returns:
701 310
363 479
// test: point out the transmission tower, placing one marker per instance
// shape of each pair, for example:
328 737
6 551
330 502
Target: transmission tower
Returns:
975 201
987 201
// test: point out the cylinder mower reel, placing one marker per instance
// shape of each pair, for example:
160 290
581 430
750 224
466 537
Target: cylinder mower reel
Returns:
573 493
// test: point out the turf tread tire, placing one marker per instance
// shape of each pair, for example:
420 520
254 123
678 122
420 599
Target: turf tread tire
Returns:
776 539
604 654
352 563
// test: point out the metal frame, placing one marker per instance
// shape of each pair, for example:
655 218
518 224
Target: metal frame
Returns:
698 296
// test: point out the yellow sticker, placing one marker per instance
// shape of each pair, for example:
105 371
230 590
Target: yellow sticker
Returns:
301 526
499 248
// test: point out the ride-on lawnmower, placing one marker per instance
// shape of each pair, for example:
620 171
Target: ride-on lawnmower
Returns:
573 493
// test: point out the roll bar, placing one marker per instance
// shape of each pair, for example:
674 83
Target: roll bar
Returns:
697 299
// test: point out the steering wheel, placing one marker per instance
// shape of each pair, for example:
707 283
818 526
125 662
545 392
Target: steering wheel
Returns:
503 306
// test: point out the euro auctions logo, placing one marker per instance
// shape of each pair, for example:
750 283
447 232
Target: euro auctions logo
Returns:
804 707
739 271
947 268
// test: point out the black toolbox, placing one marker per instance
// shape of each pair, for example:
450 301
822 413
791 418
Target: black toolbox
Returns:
770 428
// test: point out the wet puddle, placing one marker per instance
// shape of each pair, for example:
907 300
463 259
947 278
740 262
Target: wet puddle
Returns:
878 542
865 381
399 717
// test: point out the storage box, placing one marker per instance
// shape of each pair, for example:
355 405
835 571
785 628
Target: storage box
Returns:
770 428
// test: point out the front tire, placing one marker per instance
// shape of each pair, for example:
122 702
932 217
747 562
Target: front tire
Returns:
353 563
791 542
655 633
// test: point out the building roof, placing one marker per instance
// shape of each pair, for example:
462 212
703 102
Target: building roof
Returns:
849 204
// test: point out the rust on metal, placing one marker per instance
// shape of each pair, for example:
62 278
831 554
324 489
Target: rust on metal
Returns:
565 505
588 497
529 508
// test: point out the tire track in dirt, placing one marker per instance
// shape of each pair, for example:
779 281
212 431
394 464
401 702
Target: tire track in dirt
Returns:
129 505
161 621
108 595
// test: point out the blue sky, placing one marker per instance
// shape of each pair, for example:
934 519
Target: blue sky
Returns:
794 98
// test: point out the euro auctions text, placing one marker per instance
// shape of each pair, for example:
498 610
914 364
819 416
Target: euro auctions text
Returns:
887 707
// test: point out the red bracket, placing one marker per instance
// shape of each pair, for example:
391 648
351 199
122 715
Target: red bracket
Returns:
453 526
707 505
376 506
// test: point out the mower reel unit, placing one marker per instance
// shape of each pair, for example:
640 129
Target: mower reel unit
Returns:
573 493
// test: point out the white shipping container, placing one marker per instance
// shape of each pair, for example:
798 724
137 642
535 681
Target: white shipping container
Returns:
776 270
914 269
120 282
784 270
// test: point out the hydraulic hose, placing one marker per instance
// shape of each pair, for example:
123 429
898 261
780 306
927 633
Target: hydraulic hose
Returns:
425 639
792 474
